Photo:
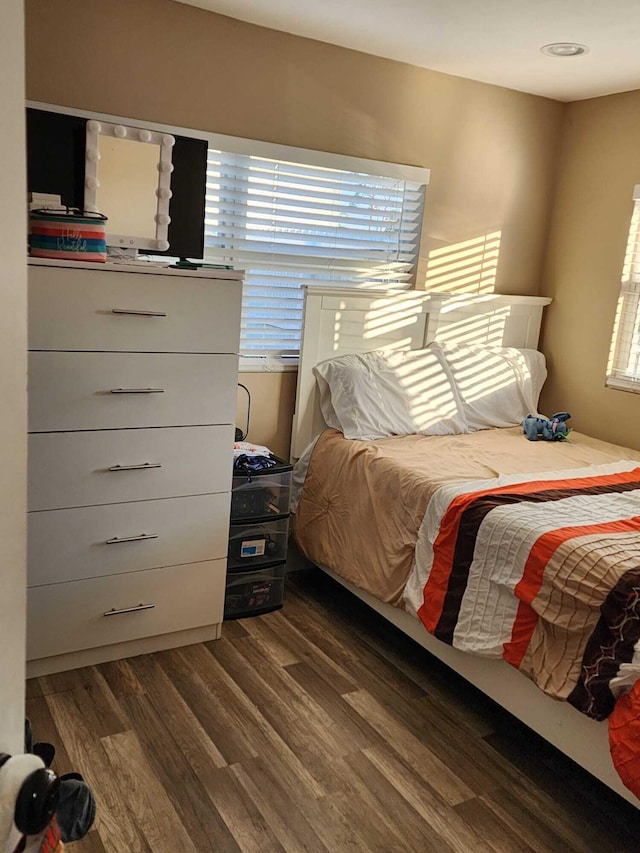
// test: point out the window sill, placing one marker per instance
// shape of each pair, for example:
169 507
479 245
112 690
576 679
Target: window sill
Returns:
266 365
618 383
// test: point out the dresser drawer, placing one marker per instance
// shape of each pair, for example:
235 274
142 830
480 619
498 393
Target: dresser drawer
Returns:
73 309
70 469
80 390
67 617
69 544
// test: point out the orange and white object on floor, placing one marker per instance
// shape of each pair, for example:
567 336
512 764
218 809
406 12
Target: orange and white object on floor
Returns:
624 738
48 841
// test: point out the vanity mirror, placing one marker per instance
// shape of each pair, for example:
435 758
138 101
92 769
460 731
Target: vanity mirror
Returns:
128 179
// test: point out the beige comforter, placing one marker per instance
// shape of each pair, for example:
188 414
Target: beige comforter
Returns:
363 501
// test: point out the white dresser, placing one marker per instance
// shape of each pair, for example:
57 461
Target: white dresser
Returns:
132 400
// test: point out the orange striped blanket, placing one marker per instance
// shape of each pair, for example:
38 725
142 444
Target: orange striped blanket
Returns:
541 570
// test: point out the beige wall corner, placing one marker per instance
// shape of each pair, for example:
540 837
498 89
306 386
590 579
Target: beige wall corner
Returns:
598 168
13 382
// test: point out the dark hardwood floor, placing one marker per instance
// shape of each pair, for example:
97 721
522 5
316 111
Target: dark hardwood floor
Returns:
315 728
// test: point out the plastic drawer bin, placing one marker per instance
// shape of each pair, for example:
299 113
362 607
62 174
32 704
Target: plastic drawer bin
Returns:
258 544
252 593
262 494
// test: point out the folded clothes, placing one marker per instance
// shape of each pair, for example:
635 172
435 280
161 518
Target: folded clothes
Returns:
248 448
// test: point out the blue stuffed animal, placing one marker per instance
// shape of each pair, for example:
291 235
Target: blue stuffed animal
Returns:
550 429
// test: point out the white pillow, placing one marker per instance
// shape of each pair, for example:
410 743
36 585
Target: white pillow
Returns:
326 406
499 386
377 394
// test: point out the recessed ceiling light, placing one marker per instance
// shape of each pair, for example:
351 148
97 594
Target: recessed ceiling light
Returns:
564 48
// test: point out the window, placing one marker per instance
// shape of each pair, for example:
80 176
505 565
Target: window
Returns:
623 369
290 223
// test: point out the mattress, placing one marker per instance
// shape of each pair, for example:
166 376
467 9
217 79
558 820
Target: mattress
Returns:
363 502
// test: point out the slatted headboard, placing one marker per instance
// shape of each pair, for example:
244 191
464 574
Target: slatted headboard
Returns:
348 321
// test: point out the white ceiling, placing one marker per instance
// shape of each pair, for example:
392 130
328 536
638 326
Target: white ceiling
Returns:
494 41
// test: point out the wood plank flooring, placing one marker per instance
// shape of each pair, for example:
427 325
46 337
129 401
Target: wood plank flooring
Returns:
316 728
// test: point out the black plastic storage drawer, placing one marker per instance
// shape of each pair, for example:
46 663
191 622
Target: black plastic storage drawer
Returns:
259 494
257 544
251 593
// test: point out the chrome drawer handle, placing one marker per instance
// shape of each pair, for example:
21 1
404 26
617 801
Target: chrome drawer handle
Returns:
138 313
116 540
137 390
144 466
114 612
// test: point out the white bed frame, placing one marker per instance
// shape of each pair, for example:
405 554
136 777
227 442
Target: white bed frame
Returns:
347 321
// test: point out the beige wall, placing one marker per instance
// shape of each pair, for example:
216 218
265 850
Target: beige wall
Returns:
491 151
272 402
13 383
598 168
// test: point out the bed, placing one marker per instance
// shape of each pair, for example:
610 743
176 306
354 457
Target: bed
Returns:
370 510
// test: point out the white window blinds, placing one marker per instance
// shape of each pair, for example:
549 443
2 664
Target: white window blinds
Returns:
623 370
289 223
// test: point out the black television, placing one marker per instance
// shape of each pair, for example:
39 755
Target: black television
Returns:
56 164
